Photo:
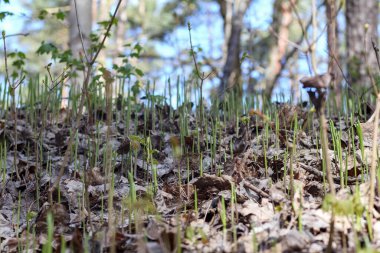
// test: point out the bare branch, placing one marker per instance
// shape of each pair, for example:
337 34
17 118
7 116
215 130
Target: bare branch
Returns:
17 34
106 34
80 32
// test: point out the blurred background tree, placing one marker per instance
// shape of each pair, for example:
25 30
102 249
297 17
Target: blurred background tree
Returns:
362 20
256 45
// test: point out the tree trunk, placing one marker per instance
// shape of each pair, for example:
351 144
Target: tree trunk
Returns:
282 18
233 14
332 42
84 10
103 15
359 15
333 46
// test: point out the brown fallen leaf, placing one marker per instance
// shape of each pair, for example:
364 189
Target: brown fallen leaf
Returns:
60 214
94 176
208 184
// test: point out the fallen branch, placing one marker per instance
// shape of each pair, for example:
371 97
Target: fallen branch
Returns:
318 173
256 190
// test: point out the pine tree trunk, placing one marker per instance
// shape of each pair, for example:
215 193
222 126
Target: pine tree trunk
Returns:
233 14
333 49
358 14
282 18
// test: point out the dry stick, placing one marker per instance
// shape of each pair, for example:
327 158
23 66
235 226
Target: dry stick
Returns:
330 5
17 34
322 122
257 190
80 109
291 160
376 49
111 218
12 91
86 205
325 146
372 178
319 174
319 102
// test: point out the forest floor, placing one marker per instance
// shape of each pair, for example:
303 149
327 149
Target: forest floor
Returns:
223 181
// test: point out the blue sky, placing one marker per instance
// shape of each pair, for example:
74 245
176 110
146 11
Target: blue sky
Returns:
13 24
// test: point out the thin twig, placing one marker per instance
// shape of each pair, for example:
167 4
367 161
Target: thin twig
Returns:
14 109
17 34
256 190
368 67
106 34
202 77
374 160
5 59
318 173
79 116
376 49
372 177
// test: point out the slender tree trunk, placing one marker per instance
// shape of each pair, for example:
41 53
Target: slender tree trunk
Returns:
233 14
104 6
294 77
282 18
84 10
84 18
359 15
333 46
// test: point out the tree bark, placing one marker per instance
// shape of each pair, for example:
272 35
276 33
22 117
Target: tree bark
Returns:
358 38
282 18
233 14
333 49
84 10
104 6
332 41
